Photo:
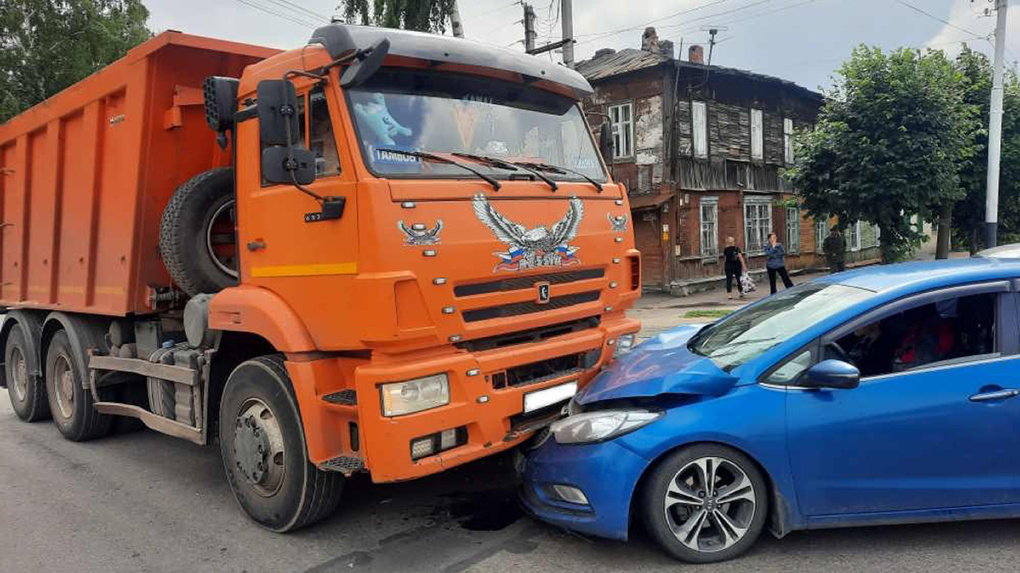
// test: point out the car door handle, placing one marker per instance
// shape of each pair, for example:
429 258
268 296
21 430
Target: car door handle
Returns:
997 395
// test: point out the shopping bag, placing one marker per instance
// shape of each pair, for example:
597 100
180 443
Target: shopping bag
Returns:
747 283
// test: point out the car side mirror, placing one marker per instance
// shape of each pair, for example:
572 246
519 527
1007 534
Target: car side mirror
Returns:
832 374
606 141
278 113
366 63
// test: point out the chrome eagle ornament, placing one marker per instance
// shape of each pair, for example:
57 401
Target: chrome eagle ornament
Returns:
418 234
619 224
538 246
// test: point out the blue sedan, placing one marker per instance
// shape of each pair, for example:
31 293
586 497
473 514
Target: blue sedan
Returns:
876 396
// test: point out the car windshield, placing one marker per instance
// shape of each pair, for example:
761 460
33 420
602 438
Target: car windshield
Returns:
431 112
748 333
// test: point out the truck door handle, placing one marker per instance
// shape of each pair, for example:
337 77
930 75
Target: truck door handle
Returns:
996 395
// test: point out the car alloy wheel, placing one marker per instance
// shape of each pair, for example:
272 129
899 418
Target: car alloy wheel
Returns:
710 504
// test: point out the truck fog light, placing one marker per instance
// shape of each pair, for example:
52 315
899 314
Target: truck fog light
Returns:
411 396
570 494
439 442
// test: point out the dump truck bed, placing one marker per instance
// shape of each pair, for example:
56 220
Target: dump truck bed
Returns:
85 175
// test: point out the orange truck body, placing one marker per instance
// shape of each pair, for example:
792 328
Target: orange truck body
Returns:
87 174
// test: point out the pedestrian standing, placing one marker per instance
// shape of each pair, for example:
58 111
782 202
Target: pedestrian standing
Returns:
735 265
834 248
775 263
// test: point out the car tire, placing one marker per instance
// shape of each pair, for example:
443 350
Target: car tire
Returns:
732 512
197 240
264 452
71 404
27 392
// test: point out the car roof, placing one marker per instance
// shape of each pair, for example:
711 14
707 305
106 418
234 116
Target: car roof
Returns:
927 274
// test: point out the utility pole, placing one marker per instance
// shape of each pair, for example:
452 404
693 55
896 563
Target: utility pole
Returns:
529 28
995 128
455 23
567 22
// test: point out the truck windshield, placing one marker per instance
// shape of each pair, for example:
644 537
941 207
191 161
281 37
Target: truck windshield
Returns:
451 113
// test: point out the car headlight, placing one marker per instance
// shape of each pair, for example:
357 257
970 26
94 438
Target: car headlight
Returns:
600 426
624 344
412 396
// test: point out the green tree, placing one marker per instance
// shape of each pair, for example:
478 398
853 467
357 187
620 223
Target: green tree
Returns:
420 15
886 145
47 45
969 212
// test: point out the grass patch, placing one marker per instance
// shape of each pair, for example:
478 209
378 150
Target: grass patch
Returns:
707 313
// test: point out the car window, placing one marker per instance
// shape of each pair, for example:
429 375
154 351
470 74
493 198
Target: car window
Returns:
747 333
791 370
948 331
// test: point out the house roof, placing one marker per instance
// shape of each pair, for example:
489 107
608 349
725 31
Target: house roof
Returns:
632 60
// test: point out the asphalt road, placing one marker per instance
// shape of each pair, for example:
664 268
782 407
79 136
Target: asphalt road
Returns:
140 501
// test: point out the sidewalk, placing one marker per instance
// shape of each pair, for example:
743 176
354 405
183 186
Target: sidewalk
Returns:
661 311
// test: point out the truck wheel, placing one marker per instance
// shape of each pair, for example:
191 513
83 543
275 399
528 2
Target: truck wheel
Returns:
70 402
262 443
27 392
197 238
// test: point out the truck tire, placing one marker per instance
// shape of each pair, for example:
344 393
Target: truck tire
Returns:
27 392
162 399
262 443
70 403
197 238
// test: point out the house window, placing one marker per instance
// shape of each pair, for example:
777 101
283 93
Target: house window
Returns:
757 225
709 227
622 119
788 140
855 236
821 231
757 141
793 229
699 121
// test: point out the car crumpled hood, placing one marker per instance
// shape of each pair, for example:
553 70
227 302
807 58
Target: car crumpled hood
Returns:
660 365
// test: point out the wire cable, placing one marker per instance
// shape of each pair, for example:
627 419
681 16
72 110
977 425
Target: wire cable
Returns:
933 16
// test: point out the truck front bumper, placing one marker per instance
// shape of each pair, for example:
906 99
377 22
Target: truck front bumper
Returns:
486 415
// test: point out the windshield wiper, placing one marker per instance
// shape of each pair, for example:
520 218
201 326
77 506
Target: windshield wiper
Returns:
438 159
557 170
509 166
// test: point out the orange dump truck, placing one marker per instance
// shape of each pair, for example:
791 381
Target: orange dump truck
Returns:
383 251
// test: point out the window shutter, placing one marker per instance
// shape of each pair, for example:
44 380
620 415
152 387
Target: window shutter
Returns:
700 135
756 135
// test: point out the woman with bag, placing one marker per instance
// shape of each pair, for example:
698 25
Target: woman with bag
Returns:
735 266
776 263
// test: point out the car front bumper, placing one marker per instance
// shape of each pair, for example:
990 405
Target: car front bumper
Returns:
606 473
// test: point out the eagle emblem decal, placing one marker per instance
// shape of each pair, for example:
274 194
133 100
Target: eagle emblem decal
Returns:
619 224
535 247
418 234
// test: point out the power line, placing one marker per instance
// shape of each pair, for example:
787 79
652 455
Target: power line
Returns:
742 19
933 16
287 3
283 16
607 33
500 9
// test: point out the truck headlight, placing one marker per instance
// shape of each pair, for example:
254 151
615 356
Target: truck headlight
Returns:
600 426
412 396
624 344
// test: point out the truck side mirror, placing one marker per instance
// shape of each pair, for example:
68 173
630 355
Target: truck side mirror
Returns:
366 63
278 163
278 114
606 141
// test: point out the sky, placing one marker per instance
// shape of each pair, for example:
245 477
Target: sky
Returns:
799 40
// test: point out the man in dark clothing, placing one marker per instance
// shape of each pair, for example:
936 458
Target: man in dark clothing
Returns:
834 248
734 267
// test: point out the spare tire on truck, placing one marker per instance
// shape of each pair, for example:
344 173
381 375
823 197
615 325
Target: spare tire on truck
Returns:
197 237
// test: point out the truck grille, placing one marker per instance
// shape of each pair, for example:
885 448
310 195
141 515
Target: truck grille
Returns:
543 370
529 307
522 283
532 335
